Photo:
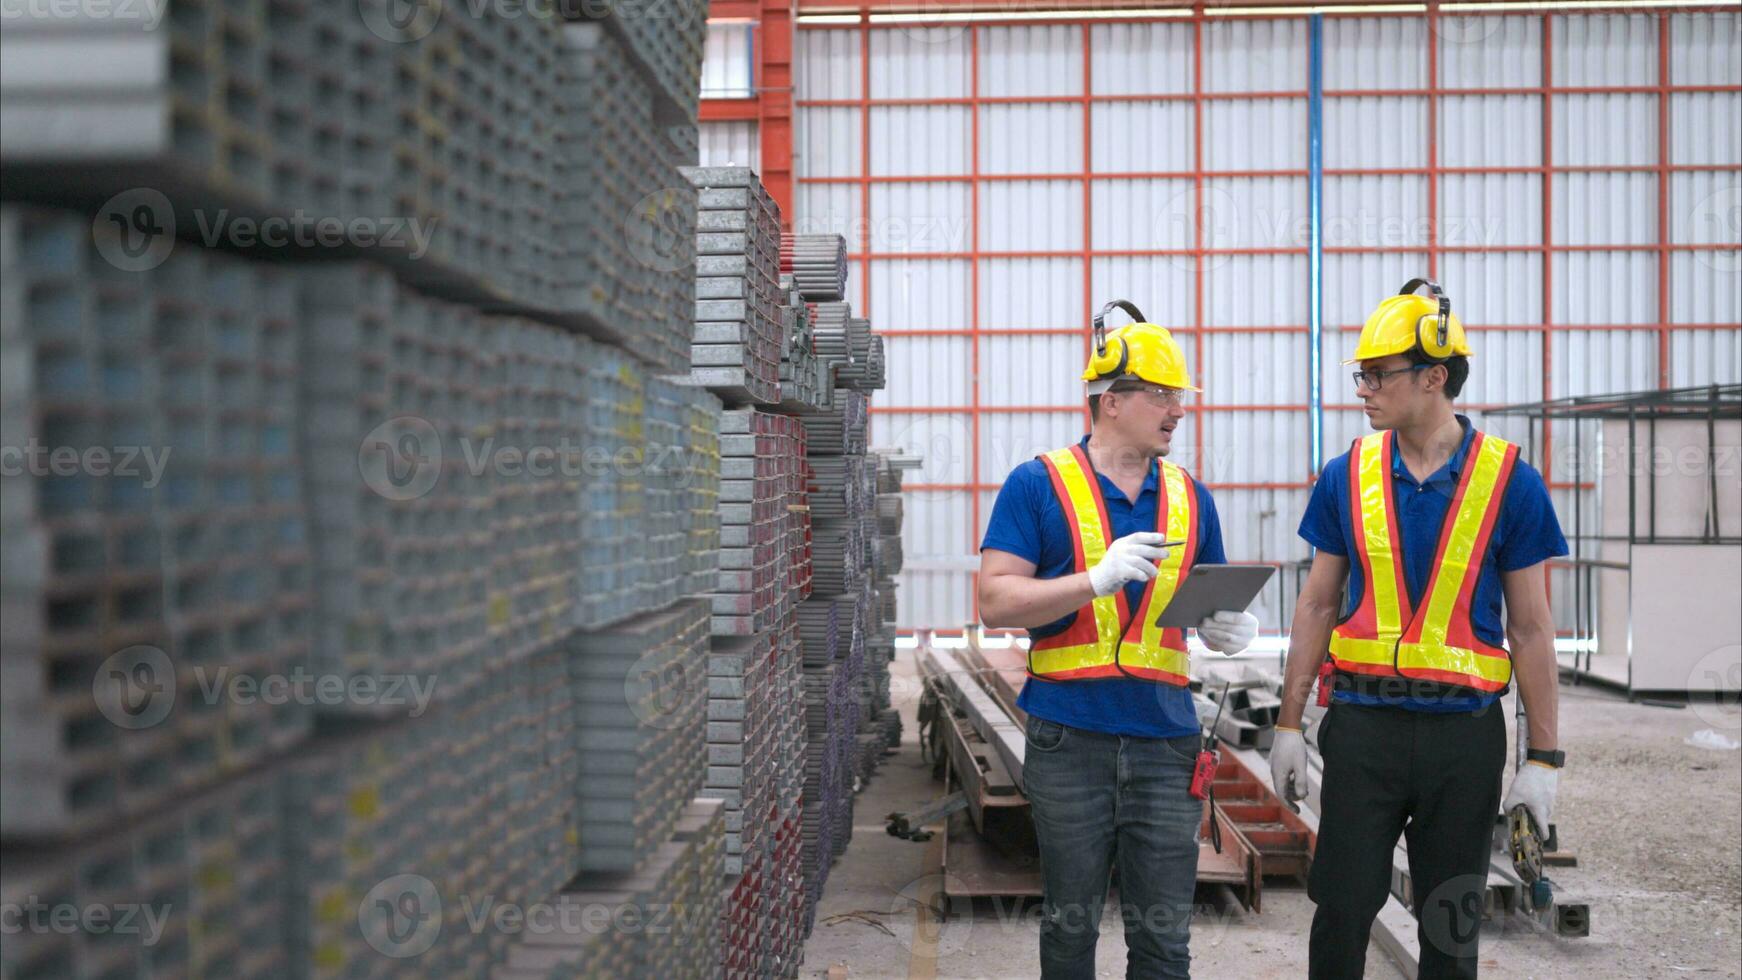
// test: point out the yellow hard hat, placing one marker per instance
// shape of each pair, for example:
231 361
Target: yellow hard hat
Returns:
1136 350
1408 321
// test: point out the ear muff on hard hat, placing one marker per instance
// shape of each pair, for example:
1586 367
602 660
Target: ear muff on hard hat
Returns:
1140 351
1409 322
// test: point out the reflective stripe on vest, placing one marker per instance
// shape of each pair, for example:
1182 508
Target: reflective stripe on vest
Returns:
1384 635
1105 640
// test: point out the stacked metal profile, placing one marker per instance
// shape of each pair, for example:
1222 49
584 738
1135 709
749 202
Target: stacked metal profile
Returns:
161 521
802 379
194 891
660 920
666 40
739 335
818 264
760 456
509 162
640 692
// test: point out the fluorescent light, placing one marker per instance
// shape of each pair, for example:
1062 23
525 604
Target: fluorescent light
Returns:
973 16
1387 8
828 19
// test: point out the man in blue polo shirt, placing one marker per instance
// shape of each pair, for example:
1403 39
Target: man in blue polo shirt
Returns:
1085 547
1433 525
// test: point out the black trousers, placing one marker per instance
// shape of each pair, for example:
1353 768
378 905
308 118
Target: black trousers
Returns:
1435 779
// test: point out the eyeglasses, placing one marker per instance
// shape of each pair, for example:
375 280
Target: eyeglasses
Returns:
1169 397
1374 380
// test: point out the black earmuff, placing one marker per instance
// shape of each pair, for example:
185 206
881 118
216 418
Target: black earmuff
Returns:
1109 362
1432 332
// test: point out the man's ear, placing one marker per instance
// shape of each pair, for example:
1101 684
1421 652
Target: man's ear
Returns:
1435 378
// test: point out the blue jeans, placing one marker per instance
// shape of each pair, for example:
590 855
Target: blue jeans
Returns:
1098 798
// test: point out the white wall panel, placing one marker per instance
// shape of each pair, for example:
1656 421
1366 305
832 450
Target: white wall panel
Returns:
1604 130
1031 139
1031 61
919 63
1007 440
1605 209
1031 215
920 217
1255 212
1140 137
1490 209
1705 127
925 370
729 144
726 61
1387 211
1708 287
825 64
1253 369
1506 369
1255 55
920 294
1375 53
933 598
1255 290
1141 214
1494 287
1032 369
1605 287
1597 362
1354 284
1368 132
1253 447
1162 286
1489 52
825 142
1140 59
1490 130
919 140
1703 49
825 209
945 439
1255 134
1027 293
1605 49
1703 357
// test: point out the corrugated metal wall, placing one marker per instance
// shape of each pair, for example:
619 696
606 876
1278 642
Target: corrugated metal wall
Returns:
996 183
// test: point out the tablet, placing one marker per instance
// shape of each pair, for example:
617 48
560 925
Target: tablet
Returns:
1212 588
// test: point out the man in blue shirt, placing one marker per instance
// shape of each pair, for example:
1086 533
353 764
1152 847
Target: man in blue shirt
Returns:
1085 546
1433 525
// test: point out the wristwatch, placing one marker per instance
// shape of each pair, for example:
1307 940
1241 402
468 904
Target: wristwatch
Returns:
1557 758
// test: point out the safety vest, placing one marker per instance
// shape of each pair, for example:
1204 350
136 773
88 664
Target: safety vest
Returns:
1384 636
1105 640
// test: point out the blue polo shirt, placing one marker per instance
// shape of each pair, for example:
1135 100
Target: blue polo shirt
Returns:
1028 522
1525 532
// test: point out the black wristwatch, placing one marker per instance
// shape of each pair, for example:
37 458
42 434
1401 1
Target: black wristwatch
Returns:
1557 758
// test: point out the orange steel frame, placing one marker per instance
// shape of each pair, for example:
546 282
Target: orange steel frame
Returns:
774 46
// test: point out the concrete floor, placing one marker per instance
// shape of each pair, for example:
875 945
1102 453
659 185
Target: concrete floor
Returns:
1657 825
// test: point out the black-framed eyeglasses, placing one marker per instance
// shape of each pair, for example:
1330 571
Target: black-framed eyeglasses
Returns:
1375 380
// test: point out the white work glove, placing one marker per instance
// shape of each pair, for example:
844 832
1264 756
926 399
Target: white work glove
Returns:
1534 786
1228 631
1288 767
1132 558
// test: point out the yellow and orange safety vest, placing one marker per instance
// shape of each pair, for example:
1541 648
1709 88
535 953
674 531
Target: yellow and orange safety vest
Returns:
1105 640
1384 635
